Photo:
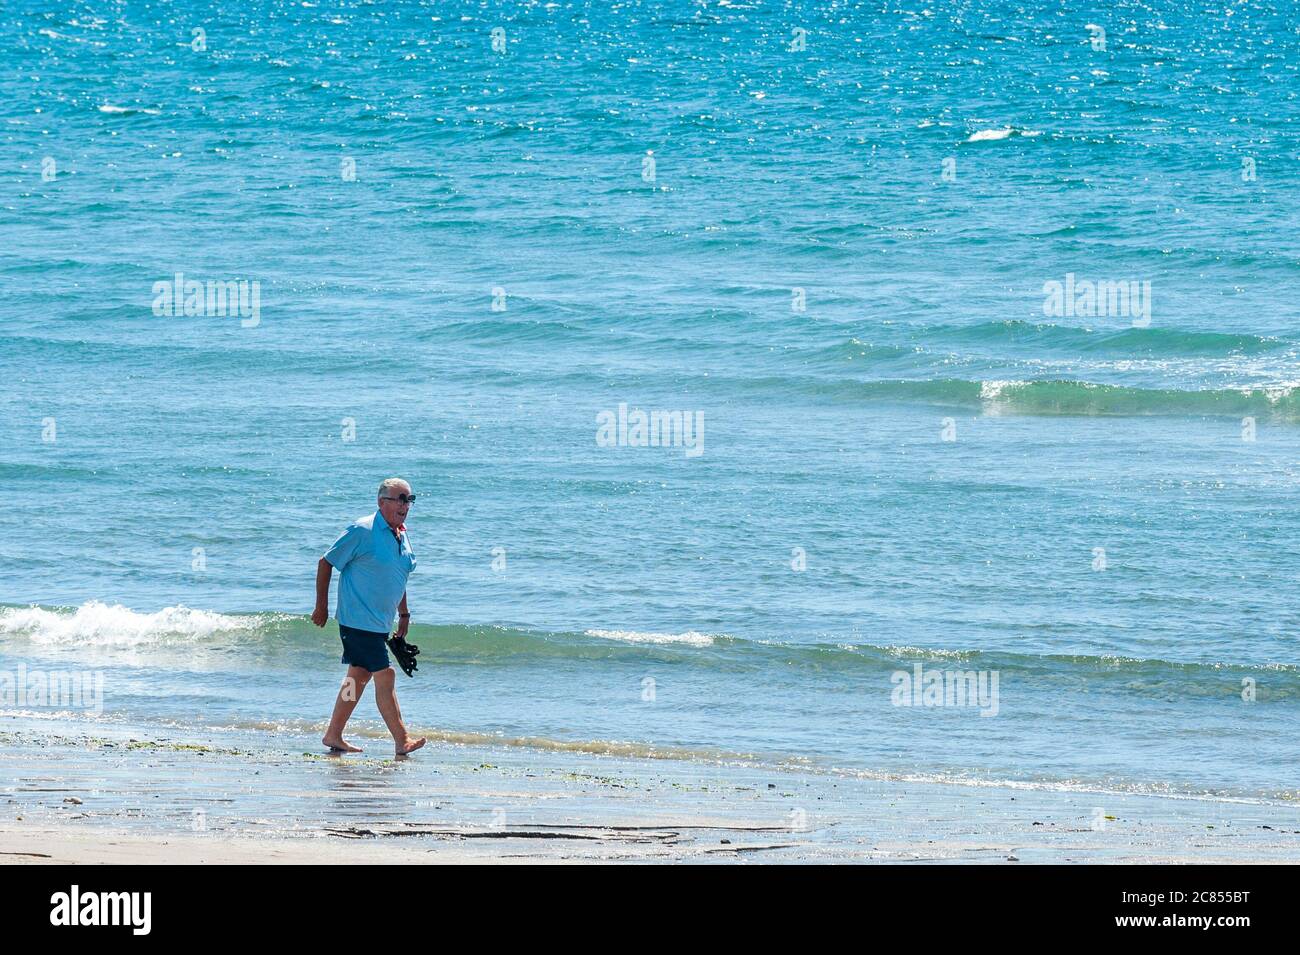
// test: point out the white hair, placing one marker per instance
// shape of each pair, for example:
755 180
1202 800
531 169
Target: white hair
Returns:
388 484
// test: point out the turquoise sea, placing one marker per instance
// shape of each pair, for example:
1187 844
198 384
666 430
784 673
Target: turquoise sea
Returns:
824 232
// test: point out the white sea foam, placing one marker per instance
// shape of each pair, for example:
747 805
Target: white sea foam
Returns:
54 35
992 390
110 108
690 637
61 716
988 135
103 625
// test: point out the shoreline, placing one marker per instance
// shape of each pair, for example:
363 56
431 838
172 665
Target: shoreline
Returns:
146 797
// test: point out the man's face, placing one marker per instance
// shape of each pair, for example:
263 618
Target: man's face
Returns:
395 511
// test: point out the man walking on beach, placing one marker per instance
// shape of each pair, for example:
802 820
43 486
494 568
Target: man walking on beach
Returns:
373 558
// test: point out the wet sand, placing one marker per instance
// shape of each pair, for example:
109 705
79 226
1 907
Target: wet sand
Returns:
133 796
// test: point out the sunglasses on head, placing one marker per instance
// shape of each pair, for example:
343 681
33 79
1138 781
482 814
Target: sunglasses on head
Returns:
402 498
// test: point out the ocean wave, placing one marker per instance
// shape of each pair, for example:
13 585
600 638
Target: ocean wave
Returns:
993 135
855 349
269 634
690 637
1089 398
96 624
1154 341
128 110
1046 396
55 35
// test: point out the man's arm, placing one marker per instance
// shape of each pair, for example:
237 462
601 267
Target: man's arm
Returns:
403 617
324 570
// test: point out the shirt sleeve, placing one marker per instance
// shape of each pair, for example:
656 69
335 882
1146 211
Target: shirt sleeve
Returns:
346 547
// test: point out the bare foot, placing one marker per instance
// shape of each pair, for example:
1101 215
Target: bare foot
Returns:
340 745
411 745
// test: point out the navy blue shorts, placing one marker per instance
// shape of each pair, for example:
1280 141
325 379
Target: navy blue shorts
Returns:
365 649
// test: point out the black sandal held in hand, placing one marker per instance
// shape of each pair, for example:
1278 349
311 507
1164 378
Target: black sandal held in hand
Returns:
405 653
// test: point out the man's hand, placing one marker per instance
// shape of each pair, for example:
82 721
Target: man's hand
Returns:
320 615
403 624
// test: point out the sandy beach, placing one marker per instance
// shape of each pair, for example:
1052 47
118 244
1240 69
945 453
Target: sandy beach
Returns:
132 797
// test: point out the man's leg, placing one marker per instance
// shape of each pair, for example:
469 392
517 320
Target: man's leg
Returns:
354 684
392 713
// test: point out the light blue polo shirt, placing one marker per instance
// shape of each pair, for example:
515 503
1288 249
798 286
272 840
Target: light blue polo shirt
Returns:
373 566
